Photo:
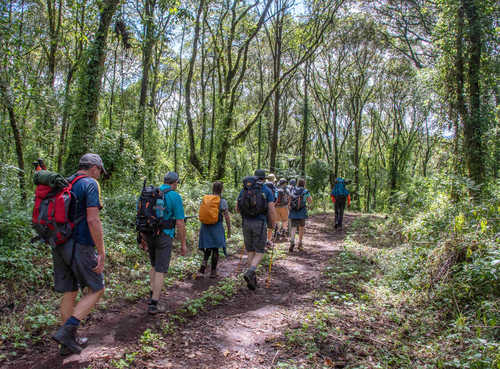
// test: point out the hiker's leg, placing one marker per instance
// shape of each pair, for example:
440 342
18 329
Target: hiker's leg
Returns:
206 255
269 234
152 274
86 304
341 211
251 255
215 258
293 230
67 305
157 285
336 213
301 233
163 251
256 259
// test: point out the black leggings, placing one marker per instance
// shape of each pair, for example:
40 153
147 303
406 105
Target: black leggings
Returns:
339 210
215 256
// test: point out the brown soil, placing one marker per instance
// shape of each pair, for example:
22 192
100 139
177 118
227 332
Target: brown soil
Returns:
239 333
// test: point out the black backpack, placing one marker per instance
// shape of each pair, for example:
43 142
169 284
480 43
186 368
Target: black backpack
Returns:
283 197
252 201
297 202
150 211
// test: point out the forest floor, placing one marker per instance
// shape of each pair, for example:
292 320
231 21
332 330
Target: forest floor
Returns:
305 316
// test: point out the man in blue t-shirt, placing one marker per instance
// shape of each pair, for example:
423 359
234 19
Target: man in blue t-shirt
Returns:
76 263
160 247
255 229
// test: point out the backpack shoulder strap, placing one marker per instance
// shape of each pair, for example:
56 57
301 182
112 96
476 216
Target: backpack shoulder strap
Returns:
77 178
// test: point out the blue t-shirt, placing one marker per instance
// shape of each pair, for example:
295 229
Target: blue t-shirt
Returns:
302 213
173 208
269 197
87 191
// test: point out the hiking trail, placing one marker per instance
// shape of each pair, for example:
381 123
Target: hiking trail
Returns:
240 332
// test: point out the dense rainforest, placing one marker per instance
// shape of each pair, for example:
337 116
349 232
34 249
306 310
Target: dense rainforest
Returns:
401 98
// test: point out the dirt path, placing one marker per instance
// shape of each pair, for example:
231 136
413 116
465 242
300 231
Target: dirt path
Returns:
240 332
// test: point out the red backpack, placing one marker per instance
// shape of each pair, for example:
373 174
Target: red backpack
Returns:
53 213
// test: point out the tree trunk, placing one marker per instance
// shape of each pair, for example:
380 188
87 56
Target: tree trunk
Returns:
9 105
278 38
193 157
65 116
473 130
87 103
305 132
176 130
147 53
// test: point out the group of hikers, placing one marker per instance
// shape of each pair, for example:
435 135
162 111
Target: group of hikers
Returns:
66 216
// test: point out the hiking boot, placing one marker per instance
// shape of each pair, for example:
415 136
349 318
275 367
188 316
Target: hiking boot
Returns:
155 309
292 245
213 273
203 267
66 336
81 341
251 280
301 248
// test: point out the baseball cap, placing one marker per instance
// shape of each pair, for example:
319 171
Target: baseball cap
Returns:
271 177
260 173
171 177
93 159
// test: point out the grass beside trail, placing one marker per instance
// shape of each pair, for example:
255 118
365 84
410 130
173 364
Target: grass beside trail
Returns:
363 318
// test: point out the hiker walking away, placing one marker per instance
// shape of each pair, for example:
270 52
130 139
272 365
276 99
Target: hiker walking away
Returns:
339 196
282 200
291 188
76 263
270 183
256 206
159 244
212 235
299 199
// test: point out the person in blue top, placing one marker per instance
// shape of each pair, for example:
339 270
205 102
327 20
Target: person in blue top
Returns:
340 194
160 247
76 263
299 199
256 206
212 236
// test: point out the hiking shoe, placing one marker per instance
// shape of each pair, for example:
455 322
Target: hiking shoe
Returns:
213 273
155 309
301 248
292 245
203 267
81 341
66 336
251 280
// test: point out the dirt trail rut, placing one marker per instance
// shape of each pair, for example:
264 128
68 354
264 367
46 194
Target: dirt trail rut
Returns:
238 333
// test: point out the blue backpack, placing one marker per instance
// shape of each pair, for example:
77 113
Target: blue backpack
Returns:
339 188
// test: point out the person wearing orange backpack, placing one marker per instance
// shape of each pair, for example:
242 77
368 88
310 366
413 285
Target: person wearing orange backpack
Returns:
212 235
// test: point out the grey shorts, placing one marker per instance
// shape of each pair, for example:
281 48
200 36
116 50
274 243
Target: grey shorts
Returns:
255 235
73 264
160 251
298 222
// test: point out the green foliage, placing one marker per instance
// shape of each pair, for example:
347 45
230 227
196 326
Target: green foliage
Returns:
318 175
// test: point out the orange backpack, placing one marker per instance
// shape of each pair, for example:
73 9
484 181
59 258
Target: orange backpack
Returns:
209 209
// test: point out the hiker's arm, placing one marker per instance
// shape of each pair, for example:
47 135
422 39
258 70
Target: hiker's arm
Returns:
309 199
180 225
272 213
348 200
228 223
333 198
95 227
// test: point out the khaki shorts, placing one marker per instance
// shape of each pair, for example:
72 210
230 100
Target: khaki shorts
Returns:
282 213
